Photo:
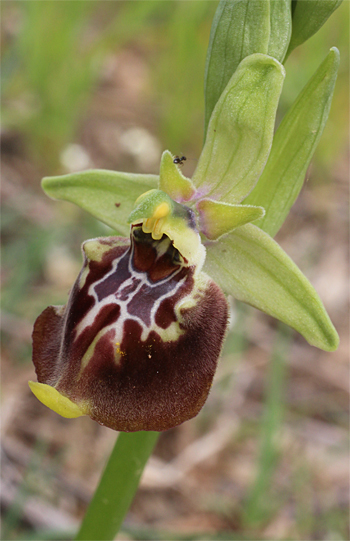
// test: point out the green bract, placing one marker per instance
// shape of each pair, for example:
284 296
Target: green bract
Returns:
280 28
240 29
245 24
240 131
293 146
308 17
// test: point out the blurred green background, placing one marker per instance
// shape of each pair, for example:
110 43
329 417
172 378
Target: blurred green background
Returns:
110 84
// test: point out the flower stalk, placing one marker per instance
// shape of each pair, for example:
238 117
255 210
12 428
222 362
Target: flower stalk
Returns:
117 486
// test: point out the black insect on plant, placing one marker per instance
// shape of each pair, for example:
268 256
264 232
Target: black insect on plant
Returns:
179 160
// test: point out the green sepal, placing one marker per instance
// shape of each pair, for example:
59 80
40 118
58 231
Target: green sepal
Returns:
240 131
107 195
252 267
280 28
217 219
172 181
239 29
308 17
293 146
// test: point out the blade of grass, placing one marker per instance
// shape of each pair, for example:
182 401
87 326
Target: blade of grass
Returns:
117 486
45 535
259 505
25 489
148 534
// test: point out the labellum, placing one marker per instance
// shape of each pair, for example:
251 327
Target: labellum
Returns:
136 346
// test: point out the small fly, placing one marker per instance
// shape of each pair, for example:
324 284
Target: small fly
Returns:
179 160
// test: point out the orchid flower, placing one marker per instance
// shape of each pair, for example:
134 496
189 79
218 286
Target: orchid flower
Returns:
137 345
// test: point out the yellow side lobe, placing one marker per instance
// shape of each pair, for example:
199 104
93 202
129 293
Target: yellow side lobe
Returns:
55 400
155 224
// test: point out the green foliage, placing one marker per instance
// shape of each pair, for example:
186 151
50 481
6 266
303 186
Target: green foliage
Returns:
252 267
55 63
239 29
308 17
26 487
177 72
240 132
260 502
57 80
108 195
280 28
293 146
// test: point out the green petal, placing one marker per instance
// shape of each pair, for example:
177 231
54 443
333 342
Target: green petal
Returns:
280 28
217 219
240 131
239 29
252 267
293 147
308 17
172 181
107 195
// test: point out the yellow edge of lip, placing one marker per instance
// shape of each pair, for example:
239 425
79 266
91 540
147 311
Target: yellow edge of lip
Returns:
54 400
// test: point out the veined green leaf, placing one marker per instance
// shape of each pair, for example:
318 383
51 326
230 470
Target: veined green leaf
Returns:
107 195
252 267
293 146
280 28
308 17
217 219
240 131
239 29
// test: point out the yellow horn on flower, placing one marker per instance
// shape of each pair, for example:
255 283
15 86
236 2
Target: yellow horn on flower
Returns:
54 400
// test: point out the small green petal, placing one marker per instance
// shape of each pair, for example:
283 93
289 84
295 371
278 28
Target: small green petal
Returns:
253 268
217 219
107 195
240 131
172 181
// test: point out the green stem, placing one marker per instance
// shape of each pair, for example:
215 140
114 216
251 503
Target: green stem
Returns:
117 486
